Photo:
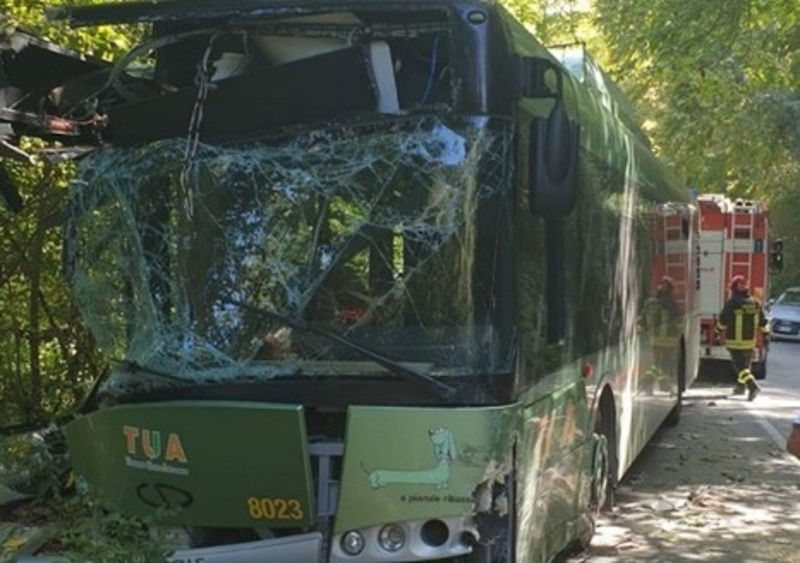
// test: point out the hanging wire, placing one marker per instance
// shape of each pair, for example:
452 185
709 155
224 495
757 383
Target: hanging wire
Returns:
432 72
203 80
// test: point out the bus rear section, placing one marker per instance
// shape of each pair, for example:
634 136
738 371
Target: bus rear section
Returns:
733 241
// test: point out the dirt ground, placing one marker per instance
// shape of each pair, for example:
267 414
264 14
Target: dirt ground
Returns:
715 488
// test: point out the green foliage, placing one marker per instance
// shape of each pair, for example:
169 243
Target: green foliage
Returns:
679 83
558 22
34 463
716 83
46 357
85 530
106 42
98 535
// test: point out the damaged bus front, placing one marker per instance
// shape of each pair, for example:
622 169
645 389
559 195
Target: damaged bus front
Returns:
292 232
272 319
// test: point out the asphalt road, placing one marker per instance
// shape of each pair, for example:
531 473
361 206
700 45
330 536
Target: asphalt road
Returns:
719 487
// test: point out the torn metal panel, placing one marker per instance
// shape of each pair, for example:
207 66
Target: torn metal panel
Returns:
37 66
231 80
30 68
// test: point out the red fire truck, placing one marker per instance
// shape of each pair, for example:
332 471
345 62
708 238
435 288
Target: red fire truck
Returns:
733 239
671 227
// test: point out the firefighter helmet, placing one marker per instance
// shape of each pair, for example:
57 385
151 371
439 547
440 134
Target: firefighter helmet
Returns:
738 281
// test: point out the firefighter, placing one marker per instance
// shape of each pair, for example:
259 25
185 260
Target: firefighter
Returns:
740 320
661 322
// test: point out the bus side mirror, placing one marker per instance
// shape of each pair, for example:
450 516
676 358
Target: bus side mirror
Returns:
553 160
776 256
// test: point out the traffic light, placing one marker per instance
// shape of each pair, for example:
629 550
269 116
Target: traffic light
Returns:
776 256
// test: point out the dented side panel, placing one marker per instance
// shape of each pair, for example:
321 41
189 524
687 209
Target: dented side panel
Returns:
416 463
553 461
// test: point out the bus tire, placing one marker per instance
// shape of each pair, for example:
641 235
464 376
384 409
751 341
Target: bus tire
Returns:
606 425
599 490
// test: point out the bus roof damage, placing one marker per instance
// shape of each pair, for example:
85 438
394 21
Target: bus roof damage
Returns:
292 66
223 71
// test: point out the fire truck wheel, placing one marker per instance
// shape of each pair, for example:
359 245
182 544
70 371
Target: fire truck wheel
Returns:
760 370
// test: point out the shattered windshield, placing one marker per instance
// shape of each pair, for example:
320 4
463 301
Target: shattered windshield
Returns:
388 233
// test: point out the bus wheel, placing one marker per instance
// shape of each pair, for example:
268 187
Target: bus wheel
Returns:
600 489
604 471
606 426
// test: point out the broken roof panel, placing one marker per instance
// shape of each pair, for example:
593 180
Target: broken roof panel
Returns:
33 64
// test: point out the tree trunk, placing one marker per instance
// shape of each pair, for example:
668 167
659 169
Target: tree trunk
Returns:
34 306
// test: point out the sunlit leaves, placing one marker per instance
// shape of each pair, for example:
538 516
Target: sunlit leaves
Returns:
104 42
718 81
45 355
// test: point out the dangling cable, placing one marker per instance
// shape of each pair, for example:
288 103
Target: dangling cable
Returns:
432 72
203 80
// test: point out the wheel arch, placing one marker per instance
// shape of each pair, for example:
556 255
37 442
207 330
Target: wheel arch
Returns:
606 421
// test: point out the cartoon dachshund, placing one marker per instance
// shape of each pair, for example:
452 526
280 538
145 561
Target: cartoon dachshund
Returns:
444 451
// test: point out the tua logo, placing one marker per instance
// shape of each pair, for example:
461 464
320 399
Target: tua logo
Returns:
151 445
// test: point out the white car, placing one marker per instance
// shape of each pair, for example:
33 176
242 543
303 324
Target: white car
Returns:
784 315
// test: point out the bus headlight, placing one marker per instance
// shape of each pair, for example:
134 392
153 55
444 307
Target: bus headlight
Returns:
392 537
352 543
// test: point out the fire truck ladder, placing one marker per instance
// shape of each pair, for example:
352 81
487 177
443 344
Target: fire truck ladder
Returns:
742 241
675 262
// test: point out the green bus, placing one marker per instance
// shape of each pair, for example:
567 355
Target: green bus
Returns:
377 280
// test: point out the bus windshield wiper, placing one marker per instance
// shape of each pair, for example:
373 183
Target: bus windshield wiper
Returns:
132 367
404 372
128 366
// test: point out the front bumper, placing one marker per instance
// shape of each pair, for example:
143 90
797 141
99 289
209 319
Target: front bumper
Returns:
721 353
304 548
785 330
310 547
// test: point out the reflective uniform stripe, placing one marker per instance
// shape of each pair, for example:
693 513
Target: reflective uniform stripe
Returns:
744 376
738 340
738 325
739 345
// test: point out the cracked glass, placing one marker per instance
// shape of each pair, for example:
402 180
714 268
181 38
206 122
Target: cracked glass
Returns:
387 233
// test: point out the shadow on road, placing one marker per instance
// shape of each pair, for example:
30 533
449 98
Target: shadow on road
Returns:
716 488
